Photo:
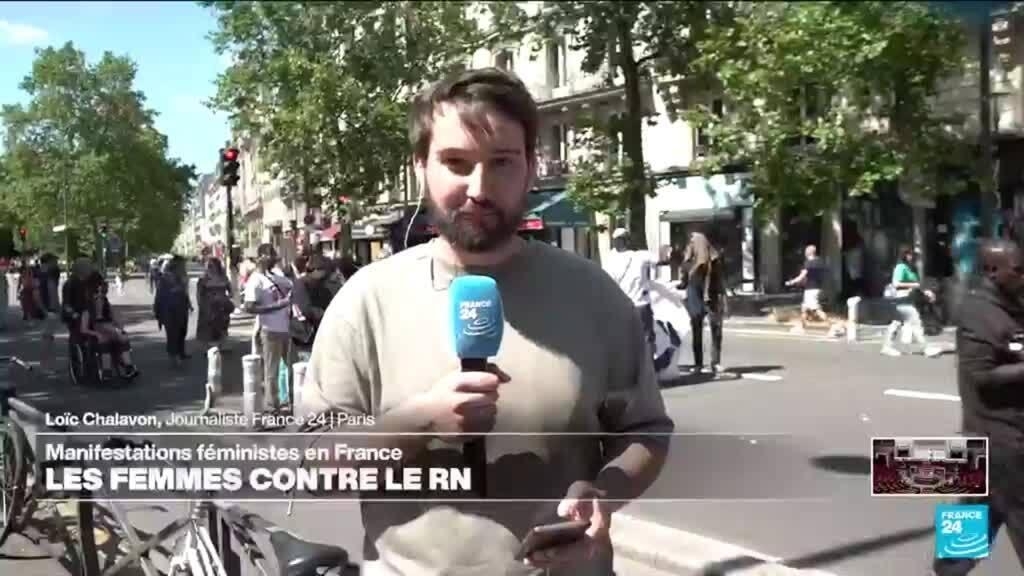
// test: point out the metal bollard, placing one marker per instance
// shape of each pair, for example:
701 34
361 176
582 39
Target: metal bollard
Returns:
214 370
298 380
252 385
852 313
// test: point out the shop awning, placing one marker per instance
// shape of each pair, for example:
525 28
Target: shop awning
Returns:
687 198
554 209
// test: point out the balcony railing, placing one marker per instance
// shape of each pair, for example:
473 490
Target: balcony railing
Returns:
549 168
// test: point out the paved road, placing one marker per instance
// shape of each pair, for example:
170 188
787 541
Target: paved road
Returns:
819 417
775 460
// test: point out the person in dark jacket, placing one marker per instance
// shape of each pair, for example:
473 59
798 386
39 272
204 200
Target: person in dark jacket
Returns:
172 308
313 293
990 344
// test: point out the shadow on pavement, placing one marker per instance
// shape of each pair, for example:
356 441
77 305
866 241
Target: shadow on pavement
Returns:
819 559
843 464
696 379
742 370
729 374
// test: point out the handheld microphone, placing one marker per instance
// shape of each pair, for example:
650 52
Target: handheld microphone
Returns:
478 323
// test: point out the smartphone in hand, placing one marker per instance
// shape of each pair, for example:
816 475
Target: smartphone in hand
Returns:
551 535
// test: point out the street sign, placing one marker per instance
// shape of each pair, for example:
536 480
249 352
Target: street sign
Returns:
59 229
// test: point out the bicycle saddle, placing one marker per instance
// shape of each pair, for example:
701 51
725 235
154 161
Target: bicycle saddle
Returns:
297 557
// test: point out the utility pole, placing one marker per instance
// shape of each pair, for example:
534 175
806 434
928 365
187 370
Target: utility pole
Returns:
228 177
986 185
231 232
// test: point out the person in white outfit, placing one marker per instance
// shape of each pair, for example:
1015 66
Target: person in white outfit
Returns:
632 270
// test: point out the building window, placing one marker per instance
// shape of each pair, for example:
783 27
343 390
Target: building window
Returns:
559 142
505 60
556 63
703 139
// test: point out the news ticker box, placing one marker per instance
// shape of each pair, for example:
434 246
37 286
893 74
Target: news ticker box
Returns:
282 466
929 466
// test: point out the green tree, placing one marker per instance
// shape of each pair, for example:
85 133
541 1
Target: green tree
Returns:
326 86
84 148
635 45
830 98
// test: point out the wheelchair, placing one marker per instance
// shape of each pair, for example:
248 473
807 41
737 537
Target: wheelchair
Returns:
84 363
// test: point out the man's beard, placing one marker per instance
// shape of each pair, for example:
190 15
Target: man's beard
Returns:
475 236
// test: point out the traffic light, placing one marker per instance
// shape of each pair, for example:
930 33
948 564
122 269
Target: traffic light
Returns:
229 167
23 234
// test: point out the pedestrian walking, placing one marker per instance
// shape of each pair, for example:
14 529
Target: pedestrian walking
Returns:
990 346
213 297
704 280
268 294
4 292
313 293
153 274
172 308
909 300
632 271
48 280
574 361
28 293
812 279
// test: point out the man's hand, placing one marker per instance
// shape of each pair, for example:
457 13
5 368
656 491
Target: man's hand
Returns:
464 402
582 502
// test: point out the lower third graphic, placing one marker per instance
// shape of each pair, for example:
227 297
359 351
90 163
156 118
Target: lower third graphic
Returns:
961 531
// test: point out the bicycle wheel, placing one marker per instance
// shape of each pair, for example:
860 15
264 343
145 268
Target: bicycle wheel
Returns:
12 476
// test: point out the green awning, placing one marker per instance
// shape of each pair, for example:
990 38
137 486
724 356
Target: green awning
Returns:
556 210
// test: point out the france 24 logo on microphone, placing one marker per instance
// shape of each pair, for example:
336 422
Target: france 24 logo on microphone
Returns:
961 531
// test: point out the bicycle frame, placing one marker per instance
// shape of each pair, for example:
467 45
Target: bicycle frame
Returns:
198 552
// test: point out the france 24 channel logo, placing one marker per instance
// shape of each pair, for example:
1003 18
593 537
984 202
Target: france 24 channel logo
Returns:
961 531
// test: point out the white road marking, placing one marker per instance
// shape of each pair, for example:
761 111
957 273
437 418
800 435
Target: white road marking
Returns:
921 395
779 334
680 552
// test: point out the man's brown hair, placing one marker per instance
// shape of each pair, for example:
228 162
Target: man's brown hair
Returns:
473 93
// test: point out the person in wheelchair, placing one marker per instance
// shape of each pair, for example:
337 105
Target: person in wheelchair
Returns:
98 322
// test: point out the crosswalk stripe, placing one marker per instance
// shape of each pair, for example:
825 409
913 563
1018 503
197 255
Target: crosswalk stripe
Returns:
921 395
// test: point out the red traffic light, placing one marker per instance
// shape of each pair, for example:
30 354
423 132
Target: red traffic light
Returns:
231 154
23 232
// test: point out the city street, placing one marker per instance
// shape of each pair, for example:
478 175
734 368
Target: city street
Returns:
772 456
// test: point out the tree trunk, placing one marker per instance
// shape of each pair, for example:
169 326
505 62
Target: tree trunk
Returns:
632 139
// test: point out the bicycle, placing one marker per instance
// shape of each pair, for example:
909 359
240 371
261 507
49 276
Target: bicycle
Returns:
202 538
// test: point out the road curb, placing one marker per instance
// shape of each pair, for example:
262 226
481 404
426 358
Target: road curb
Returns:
686 554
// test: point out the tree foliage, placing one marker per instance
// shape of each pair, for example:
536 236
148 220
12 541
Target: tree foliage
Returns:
825 98
326 86
631 44
86 141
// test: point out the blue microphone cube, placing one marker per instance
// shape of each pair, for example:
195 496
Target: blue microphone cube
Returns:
478 320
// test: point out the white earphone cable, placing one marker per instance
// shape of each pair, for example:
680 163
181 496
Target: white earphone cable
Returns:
408 229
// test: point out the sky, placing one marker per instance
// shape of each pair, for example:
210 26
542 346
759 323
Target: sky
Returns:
177 65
